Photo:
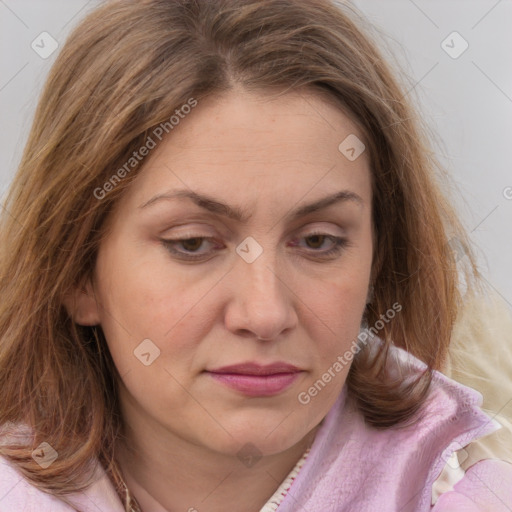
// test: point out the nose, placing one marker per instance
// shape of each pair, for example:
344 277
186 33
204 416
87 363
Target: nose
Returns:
262 303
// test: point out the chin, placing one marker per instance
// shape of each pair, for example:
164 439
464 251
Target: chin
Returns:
258 437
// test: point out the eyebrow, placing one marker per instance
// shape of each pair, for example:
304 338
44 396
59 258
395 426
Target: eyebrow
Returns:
238 214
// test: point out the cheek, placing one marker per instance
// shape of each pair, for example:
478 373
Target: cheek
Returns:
334 316
336 312
148 299
335 306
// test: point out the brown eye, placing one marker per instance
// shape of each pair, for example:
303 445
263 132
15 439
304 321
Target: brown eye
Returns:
192 248
315 241
192 244
321 245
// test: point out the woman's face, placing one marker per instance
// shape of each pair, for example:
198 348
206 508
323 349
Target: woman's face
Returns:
232 232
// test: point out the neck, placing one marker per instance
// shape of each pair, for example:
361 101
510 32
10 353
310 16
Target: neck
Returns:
190 478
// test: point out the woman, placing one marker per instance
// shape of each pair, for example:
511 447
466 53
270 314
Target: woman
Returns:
226 275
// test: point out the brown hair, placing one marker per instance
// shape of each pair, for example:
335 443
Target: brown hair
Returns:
122 72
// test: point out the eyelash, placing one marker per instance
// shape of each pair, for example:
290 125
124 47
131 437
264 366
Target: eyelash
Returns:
339 244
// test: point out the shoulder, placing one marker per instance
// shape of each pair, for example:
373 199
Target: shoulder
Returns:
399 465
18 493
485 487
451 420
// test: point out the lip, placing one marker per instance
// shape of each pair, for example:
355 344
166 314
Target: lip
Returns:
253 379
251 368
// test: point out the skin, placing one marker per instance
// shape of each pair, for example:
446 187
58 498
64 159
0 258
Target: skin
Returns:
266 156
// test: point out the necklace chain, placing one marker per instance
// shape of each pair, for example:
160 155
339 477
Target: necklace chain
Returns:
129 502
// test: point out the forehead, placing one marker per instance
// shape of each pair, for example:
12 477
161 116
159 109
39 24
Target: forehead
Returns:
246 147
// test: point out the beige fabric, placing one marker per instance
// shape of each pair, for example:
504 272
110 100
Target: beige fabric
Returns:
481 357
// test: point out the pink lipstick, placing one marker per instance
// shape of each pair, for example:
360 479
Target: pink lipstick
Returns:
253 379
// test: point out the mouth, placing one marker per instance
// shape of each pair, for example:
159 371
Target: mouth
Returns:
252 379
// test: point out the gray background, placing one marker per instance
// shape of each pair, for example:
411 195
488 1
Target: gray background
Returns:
467 101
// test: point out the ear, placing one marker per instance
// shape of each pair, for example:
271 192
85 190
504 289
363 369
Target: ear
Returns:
81 305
